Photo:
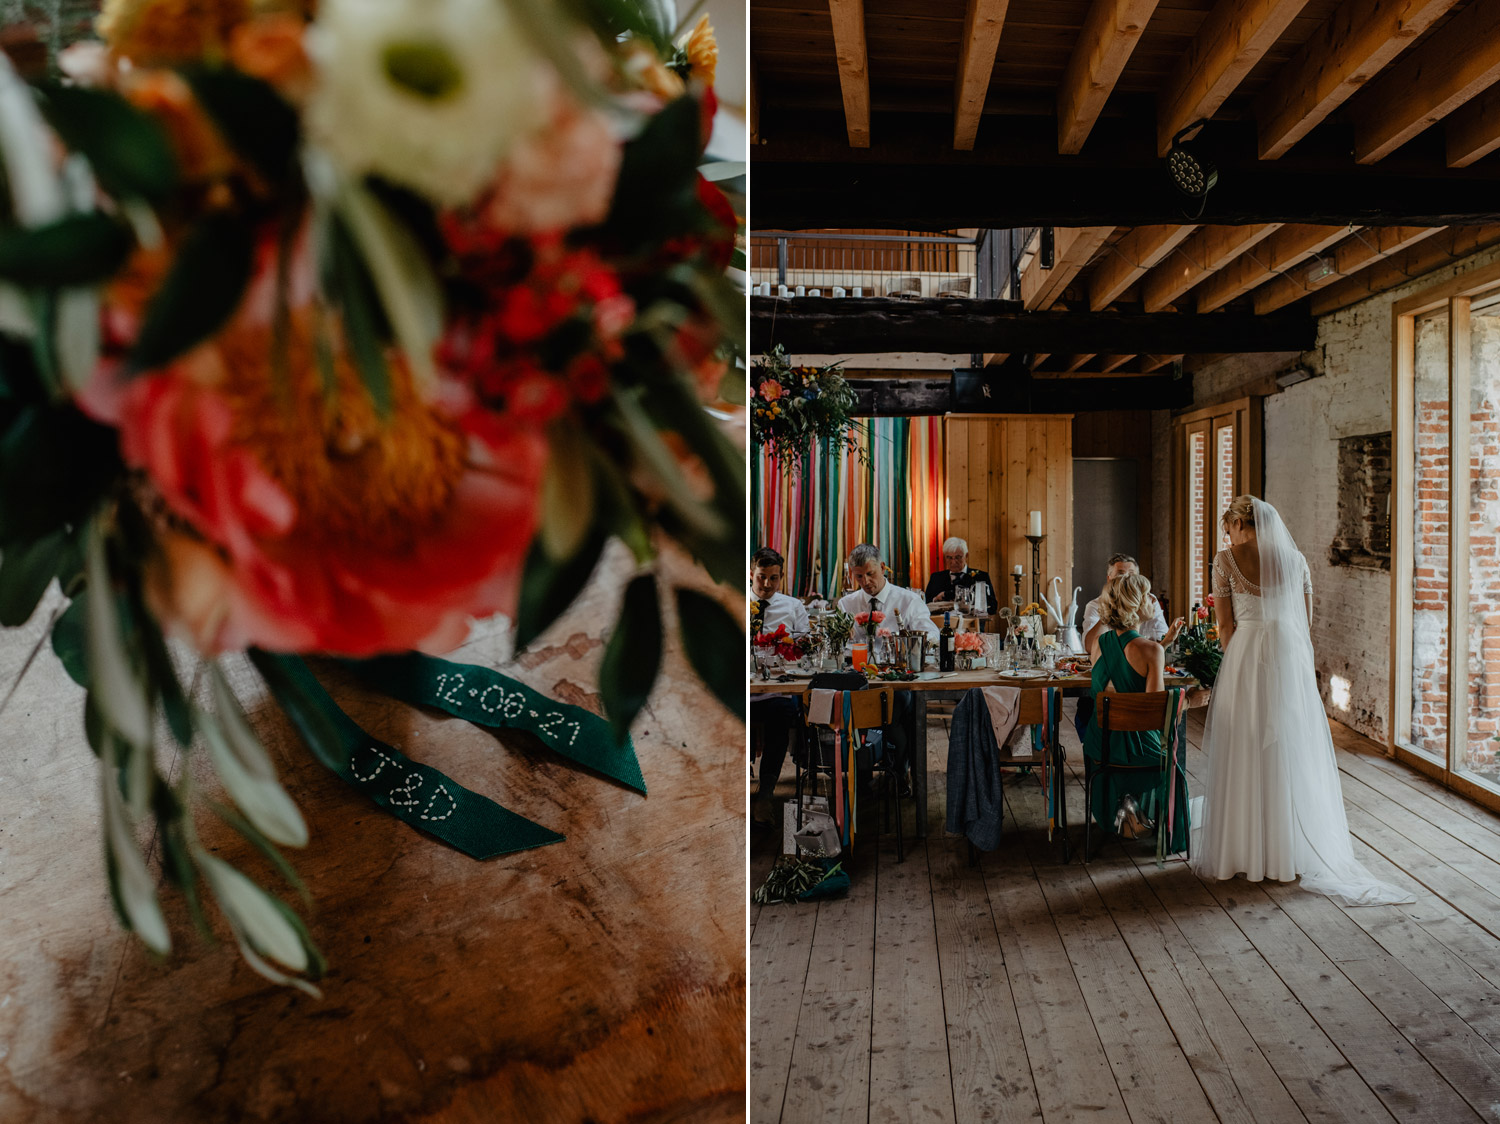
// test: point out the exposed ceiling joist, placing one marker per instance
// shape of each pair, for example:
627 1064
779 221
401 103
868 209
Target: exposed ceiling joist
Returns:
1129 258
1074 248
1359 250
1234 37
983 22
1400 268
1458 62
854 67
1111 363
1157 362
1282 250
1076 362
1474 129
873 325
1207 251
1358 40
1110 33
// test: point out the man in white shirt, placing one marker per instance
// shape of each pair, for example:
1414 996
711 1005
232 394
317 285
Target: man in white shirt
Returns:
767 602
875 592
1153 628
773 717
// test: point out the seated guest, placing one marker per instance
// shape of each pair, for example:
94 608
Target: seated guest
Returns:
1129 663
1153 625
905 607
945 584
773 717
767 602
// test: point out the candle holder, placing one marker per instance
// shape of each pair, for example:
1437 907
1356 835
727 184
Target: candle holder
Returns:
1036 566
1017 579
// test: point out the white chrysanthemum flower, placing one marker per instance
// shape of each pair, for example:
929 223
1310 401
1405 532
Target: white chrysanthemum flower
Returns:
427 93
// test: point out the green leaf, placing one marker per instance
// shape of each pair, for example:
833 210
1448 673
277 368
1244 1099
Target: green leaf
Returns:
715 646
262 799
255 120
549 586
347 281
240 824
163 676
654 456
176 855
69 635
131 885
76 250
252 913
305 712
567 501
112 678
633 655
656 193
26 570
128 149
201 292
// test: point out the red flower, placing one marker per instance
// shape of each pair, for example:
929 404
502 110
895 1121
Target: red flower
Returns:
869 618
768 639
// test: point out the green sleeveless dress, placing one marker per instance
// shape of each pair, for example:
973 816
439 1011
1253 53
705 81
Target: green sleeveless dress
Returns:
1131 749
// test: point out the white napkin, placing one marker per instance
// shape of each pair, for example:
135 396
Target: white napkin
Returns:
820 710
1005 707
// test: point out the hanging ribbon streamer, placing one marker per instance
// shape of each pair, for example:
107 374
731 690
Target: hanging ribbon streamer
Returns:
487 698
1169 743
416 794
851 767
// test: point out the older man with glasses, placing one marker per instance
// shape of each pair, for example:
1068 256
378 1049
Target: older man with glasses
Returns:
957 574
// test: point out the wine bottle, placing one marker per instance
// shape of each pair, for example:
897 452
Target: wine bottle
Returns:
945 645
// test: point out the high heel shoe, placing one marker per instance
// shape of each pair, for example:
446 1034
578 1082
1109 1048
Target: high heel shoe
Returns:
1129 822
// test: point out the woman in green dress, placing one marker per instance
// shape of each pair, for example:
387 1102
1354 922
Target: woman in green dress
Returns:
1125 661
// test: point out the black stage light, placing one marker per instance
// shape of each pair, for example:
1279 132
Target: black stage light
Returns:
1191 175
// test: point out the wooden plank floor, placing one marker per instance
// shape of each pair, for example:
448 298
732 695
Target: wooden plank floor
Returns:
1026 989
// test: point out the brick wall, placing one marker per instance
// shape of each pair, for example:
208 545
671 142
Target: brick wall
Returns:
1303 427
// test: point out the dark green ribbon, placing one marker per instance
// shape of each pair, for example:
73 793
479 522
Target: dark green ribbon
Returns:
488 698
416 794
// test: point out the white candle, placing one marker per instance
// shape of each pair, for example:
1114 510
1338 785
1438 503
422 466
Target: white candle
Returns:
1036 524
1017 570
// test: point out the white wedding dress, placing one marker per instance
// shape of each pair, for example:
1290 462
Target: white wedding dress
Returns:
1273 808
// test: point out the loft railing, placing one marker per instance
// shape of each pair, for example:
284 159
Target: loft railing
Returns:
854 264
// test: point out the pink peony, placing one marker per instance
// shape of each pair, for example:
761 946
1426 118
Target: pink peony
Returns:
560 177
869 618
771 390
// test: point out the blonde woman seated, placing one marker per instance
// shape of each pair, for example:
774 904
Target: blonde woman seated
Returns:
1125 661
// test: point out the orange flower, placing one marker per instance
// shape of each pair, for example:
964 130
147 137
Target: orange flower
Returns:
270 48
312 522
702 51
167 32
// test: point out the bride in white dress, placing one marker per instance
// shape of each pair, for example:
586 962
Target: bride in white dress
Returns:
1273 808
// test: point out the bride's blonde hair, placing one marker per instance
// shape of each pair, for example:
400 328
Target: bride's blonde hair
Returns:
1241 510
1126 601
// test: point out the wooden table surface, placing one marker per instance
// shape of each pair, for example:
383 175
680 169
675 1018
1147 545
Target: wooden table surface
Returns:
601 979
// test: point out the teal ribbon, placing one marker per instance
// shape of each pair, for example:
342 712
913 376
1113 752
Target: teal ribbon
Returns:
416 794
487 698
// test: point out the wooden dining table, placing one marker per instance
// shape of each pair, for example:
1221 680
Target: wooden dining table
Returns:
954 683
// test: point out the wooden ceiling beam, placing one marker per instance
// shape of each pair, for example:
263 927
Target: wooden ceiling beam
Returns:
1076 362
854 67
1129 259
875 325
1282 250
1109 363
1474 129
1207 251
1234 37
1157 362
1455 64
983 22
1073 248
1110 32
1398 269
1361 249
1020 393
1359 40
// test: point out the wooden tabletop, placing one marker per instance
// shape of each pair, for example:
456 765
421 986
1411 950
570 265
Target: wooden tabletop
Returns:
958 681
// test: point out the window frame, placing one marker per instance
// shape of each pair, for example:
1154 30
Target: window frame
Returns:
1245 415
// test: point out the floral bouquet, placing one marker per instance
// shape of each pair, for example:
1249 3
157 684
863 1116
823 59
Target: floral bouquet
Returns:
791 407
1198 647
772 639
870 621
968 642
325 333
838 627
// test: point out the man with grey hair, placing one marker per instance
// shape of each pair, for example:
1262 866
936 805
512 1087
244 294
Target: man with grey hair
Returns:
945 584
1153 627
874 592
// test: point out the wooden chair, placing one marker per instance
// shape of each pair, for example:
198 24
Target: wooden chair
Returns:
871 708
1120 712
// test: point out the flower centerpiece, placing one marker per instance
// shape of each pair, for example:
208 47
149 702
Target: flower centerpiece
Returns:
970 647
792 407
1027 622
1198 647
327 335
869 620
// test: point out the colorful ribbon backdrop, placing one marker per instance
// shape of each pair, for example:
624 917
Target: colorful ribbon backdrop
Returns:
895 498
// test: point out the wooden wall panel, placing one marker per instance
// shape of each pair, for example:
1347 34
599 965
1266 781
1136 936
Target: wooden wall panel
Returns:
1125 434
1001 467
